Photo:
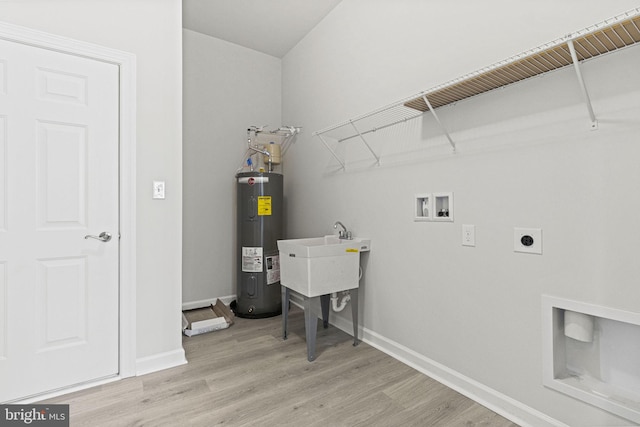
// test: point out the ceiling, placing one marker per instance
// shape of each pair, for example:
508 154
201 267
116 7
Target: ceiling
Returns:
269 26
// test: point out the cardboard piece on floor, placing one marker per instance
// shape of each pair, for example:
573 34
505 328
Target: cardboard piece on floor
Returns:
201 320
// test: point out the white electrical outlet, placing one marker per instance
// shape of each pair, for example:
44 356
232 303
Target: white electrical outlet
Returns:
468 235
527 240
158 189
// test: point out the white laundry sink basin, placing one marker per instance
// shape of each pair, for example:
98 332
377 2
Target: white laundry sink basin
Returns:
321 265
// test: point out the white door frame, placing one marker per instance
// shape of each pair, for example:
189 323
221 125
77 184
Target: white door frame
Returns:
126 63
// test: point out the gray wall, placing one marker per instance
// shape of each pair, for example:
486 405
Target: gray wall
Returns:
227 88
151 29
526 158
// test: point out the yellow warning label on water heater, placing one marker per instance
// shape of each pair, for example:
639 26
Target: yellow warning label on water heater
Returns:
264 205
351 250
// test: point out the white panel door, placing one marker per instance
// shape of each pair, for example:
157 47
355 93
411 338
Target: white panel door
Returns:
58 184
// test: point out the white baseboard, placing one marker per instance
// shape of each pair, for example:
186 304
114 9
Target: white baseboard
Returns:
158 362
207 302
66 390
499 403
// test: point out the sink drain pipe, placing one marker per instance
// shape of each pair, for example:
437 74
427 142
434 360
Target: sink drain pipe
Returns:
338 304
337 307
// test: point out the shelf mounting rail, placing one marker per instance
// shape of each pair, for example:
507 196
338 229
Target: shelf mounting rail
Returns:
605 37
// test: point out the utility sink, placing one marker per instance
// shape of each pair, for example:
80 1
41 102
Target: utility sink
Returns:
321 265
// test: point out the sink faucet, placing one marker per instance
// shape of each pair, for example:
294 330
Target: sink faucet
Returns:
342 234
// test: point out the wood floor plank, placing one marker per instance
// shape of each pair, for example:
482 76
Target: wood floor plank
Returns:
247 375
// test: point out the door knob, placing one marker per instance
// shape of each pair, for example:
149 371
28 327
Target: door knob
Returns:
103 237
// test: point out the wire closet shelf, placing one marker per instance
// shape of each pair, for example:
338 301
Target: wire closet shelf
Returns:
608 36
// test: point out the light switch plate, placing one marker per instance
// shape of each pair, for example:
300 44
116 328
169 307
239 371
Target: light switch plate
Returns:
527 240
158 189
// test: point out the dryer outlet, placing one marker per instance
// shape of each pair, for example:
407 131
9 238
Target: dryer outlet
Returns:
527 240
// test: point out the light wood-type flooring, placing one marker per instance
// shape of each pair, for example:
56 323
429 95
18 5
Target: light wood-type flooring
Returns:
247 375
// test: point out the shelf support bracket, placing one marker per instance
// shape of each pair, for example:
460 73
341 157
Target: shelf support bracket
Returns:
365 142
332 151
583 87
442 128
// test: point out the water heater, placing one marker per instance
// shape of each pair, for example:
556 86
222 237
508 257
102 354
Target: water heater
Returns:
259 222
